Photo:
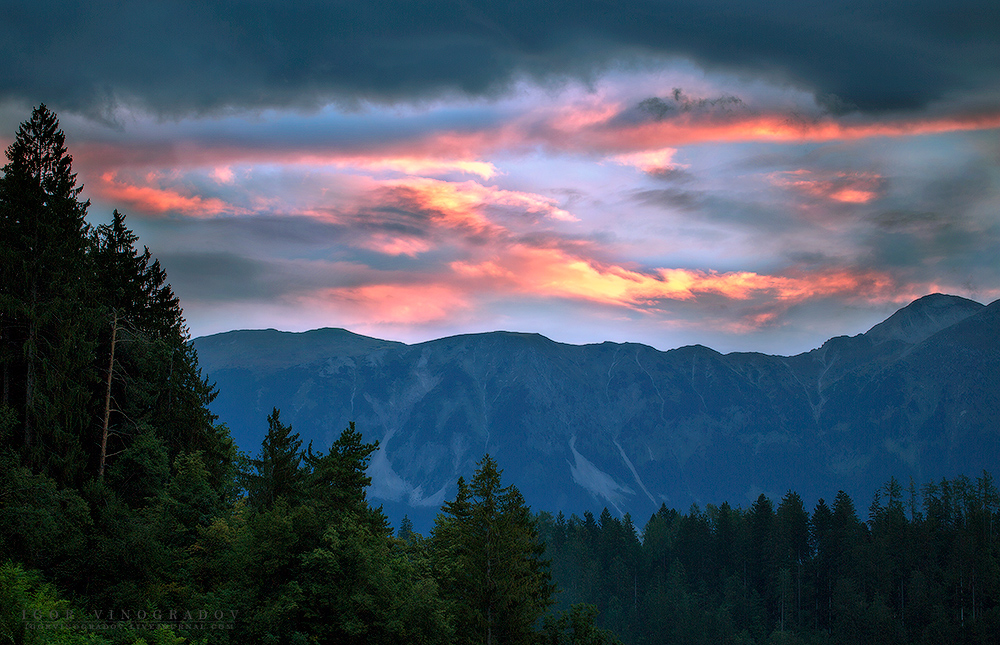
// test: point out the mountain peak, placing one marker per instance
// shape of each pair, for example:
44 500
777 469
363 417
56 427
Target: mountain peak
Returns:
281 349
582 427
923 318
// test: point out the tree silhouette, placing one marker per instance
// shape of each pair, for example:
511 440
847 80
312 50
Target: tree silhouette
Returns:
45 318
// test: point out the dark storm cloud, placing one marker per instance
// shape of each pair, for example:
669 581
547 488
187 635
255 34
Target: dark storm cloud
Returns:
947 229
961 189
933 239
177 57
677 103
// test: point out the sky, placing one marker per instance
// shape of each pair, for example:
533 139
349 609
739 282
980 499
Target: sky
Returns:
751 176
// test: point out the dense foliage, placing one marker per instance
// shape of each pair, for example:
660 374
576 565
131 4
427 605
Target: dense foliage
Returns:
128 516
923 568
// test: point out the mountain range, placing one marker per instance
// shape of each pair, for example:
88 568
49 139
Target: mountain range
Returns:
625 426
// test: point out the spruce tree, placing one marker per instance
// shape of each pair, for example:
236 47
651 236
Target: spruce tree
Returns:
336 481
490 561
46 342
278 474
150 375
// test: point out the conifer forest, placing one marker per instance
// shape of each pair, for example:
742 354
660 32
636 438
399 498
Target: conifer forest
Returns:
128 515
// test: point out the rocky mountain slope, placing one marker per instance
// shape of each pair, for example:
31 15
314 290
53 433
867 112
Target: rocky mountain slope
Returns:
626 426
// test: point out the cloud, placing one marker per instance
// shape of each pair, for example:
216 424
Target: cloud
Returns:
680 103
388 304
844 187
183 57
677 192
221 276
468 205
608 123
414 165
396 244
654 162
770 126
195 150
555 273
156 200
672 198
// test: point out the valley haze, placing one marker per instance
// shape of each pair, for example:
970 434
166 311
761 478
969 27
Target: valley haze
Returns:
625 426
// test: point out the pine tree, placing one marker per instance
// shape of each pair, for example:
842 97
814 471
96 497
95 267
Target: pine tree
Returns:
278 473
495 574
337 479
46 342
821 541
762 558
792 545
151 378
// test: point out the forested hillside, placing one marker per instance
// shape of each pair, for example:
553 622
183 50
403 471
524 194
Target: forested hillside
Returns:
921 566
127 515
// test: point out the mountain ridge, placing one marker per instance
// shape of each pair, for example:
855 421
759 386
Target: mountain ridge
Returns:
624 425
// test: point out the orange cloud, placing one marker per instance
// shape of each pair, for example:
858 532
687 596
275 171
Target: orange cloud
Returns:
392 303
850 188
150 199
463 204
554 273
778 128
650 160
551 273
598 130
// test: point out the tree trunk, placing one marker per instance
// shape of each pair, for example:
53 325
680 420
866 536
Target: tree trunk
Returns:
107 398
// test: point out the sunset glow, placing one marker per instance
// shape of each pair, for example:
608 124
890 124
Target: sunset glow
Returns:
155 200
850 188
675 188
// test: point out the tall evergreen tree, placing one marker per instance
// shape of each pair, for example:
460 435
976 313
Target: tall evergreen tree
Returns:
45 317
278 474
761 553
494 573
151 378
821 542
792 547
337 480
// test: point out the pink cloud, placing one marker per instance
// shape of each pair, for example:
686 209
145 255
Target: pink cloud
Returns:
380 304
407 165
594 126
651 161
775 127
599 130
553 272
467 203
409 156
223 175
396 244
844 187
156 200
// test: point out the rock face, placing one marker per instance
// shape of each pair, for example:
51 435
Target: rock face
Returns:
624 425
